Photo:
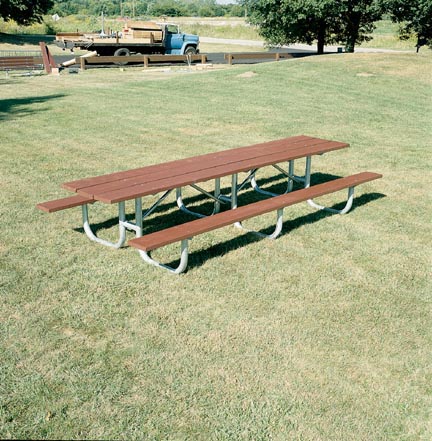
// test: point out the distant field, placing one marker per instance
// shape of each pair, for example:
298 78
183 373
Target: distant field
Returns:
322 334
385 37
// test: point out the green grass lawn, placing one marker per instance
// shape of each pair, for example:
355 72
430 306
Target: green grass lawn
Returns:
385 36
323 333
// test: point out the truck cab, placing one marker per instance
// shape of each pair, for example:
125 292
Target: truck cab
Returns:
178 43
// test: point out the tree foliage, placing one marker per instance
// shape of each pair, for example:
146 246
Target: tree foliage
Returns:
415 17
283 22
132 8
356 21
304 21
24 12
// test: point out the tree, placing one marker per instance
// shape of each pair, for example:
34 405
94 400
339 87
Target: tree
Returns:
24 12
305 21
356 21
283 22
170 8
415 17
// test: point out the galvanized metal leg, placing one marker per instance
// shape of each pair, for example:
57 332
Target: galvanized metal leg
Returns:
227 199
277 230
156 204
138 217
234 180
258 189
215 197
234 194
290 175
122 227
313 204
183 259
307 176
344 210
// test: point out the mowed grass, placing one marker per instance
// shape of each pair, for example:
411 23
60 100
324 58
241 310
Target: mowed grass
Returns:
323 333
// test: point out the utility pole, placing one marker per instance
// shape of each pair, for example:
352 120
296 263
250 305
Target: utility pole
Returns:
103 24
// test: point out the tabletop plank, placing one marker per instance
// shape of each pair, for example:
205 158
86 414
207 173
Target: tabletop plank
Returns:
169 166
137 189
130 184
241 161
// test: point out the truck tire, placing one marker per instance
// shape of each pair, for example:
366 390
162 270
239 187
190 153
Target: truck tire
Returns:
122 52
190 50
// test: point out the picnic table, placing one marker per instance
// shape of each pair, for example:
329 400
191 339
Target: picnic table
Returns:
165 178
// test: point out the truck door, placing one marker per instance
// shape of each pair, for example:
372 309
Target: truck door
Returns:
173 40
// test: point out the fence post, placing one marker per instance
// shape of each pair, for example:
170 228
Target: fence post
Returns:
82 63
146 60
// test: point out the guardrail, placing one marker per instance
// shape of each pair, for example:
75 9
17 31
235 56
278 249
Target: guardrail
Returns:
256 55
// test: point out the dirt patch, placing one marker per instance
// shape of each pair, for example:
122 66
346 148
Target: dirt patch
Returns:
248 74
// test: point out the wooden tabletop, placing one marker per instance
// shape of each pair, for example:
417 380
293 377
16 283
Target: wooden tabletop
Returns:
130 184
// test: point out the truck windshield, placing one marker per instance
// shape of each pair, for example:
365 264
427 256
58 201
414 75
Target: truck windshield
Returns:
173 29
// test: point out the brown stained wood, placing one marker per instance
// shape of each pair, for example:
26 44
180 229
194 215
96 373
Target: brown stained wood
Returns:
179 163
48 59
113 59
10 63
190 229
289 148
141 186
178 172
255 55
63 204
139 59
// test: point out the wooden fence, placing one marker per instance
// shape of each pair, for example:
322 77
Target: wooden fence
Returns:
256 55
145 59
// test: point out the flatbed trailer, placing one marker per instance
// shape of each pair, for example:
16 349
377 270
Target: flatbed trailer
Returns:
136 38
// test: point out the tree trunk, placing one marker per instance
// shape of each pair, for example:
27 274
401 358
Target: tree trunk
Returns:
321 38
353 26
349 45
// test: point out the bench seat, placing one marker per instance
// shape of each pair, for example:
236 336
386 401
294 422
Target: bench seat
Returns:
188 230
64 203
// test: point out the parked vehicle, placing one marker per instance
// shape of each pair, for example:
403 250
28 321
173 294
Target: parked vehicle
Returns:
135 38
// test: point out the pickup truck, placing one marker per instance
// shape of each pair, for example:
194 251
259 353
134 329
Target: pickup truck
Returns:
135 38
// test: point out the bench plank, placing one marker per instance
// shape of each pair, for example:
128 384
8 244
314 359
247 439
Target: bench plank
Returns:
190 229
20 63
64 203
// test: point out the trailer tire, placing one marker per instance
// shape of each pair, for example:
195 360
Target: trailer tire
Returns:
122 52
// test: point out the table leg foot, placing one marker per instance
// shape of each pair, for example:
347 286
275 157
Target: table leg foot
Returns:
276 232
183 259
344 210
122 229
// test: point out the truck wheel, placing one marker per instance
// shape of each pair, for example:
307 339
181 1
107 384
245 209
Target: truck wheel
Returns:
190 50
122 52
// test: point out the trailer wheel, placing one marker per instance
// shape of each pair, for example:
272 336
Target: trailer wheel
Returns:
122 52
